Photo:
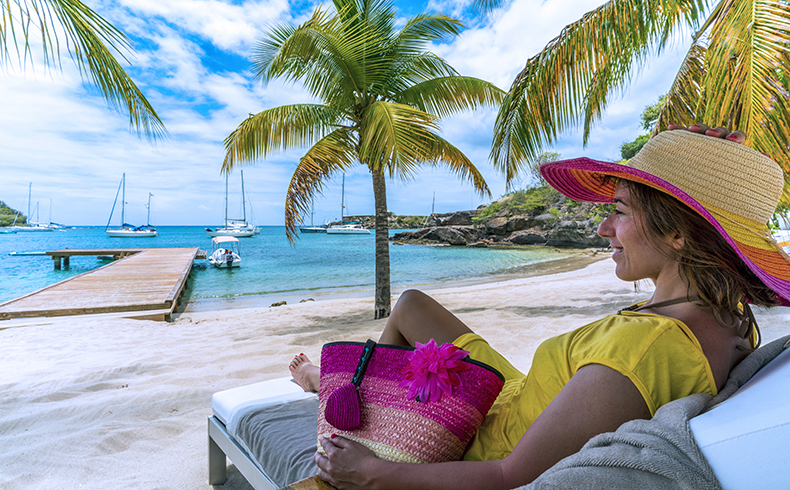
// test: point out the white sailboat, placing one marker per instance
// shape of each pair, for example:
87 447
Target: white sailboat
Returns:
346 227
31 225
126 230
234 227
312 228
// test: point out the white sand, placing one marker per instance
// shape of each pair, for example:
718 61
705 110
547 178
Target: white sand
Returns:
116 403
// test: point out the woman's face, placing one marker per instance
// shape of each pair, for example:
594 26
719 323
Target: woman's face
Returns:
637 255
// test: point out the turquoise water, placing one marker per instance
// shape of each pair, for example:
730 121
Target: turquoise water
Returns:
318 265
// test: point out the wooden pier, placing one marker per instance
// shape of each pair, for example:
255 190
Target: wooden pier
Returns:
141 283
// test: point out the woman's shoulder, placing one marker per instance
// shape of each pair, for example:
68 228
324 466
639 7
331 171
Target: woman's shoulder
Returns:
656 352
627 337
644 326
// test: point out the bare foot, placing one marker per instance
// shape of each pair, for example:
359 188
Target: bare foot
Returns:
305 373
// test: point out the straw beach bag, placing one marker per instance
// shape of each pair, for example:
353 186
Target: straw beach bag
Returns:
415 405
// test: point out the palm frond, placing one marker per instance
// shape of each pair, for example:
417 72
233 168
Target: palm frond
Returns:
279 128
370 14
743 82
406 71
395 134
442 153
572 77
87 37
446 96
486 6
685 99
333 59
333 153
745 43
421 29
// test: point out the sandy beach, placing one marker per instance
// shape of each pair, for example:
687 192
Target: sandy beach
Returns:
98 402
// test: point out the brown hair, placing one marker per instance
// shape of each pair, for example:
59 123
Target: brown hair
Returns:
710 266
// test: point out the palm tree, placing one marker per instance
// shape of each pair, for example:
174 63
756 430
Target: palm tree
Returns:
381 98
89 38
736 74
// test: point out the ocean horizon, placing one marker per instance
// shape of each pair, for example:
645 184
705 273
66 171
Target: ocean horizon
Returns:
317 266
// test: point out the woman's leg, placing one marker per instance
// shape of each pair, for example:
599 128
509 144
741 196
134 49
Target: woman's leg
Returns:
417 317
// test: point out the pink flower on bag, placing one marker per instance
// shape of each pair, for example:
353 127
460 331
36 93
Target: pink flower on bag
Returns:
432 370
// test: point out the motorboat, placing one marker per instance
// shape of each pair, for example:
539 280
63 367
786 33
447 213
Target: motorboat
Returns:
347 229
225 252
126 230
234 227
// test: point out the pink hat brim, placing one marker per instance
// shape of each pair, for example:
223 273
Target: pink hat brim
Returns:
584 179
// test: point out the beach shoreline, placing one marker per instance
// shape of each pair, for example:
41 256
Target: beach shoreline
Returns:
107 402
570 259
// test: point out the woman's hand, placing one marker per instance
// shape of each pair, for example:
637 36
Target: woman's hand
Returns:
736 136
347 463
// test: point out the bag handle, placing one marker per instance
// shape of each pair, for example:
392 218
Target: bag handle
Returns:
364 360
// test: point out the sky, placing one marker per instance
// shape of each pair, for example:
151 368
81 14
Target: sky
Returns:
64 148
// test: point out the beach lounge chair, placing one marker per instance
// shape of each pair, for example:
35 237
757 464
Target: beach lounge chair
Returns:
263 428
268 430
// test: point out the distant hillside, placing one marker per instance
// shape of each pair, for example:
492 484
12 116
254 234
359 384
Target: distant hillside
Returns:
535 216
7 216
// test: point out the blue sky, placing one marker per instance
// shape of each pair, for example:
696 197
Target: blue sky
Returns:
191 60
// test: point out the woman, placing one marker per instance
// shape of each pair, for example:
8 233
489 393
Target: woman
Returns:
690 215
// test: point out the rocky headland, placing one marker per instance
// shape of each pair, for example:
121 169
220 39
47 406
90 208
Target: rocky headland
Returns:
560 224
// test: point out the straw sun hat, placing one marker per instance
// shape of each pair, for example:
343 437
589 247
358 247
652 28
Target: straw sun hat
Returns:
734 187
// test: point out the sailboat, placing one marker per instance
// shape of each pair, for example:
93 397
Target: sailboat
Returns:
31 225
346 227
312 228
235 227
126 230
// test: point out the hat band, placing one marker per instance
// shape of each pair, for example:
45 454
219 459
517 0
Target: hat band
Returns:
742 229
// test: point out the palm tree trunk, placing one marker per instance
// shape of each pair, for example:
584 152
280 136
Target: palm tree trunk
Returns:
383 295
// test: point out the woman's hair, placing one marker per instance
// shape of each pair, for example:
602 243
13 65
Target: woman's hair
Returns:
709 265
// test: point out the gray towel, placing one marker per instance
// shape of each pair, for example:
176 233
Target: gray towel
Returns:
282 439
659 453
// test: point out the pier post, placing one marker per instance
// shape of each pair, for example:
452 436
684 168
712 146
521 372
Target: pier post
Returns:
56 260
66 261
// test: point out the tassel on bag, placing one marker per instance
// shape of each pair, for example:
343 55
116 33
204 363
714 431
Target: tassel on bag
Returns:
344 405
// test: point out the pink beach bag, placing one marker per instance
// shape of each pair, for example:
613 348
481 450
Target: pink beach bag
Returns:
414 405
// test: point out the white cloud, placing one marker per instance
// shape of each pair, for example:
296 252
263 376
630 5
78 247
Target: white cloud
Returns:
229 26
59 135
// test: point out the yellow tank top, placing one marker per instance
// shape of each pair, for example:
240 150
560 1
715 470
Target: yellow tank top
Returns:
658 354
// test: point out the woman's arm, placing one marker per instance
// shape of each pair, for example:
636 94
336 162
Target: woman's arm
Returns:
597 399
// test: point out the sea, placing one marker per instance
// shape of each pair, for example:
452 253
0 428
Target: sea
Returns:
317 266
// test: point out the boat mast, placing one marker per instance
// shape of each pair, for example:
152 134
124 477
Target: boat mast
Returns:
29 190
148 221
243 199
342 198
123 200
226 201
